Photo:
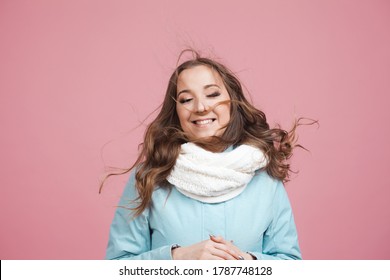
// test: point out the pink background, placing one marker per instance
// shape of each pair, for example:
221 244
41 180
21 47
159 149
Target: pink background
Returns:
78 77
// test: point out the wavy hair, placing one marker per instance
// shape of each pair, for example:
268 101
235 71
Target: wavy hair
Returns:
164 136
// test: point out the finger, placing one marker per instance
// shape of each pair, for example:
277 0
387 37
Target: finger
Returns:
220 250
230 247
210 256
218 239
221 240
222 254
236 254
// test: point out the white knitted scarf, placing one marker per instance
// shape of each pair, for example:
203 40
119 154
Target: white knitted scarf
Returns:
215 177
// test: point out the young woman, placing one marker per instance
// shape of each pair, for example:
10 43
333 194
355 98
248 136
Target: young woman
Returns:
208 183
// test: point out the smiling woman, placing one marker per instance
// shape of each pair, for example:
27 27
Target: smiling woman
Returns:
208 183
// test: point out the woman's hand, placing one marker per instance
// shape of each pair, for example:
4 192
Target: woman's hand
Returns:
215 248
231 246
212 249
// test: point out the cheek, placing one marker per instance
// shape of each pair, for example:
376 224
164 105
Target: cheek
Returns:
182 115
224 114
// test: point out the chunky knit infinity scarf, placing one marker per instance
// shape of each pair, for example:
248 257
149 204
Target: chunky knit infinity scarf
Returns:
215 177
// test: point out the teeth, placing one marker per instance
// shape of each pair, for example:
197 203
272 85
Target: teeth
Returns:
204 121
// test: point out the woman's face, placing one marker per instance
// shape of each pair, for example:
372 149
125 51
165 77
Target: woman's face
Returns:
199 89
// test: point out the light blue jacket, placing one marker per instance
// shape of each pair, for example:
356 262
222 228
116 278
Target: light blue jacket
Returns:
259 220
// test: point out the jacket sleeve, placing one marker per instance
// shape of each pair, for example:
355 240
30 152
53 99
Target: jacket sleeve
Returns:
280 239
130 238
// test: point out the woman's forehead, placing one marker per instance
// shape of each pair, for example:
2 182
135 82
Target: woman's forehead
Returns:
199 75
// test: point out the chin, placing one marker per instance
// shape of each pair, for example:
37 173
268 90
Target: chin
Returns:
203 138
206 135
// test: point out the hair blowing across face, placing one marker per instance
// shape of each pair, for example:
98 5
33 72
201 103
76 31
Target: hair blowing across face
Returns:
164 136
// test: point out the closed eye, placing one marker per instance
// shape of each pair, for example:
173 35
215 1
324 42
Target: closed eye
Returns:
185 100
215 94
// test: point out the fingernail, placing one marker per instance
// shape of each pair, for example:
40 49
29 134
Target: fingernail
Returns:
211 235
241 258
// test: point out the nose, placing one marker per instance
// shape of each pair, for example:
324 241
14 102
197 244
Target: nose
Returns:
200 106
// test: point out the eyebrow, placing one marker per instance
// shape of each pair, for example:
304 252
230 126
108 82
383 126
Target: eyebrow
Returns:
205 87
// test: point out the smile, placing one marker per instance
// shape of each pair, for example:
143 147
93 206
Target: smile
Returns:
203 122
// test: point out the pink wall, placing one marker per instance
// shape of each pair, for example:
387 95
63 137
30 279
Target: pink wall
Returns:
75 75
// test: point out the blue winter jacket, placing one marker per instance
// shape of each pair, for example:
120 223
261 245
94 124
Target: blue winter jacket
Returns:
259 221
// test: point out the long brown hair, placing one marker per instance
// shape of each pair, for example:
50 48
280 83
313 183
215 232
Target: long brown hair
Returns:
164 136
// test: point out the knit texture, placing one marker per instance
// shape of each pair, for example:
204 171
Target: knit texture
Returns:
215 177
